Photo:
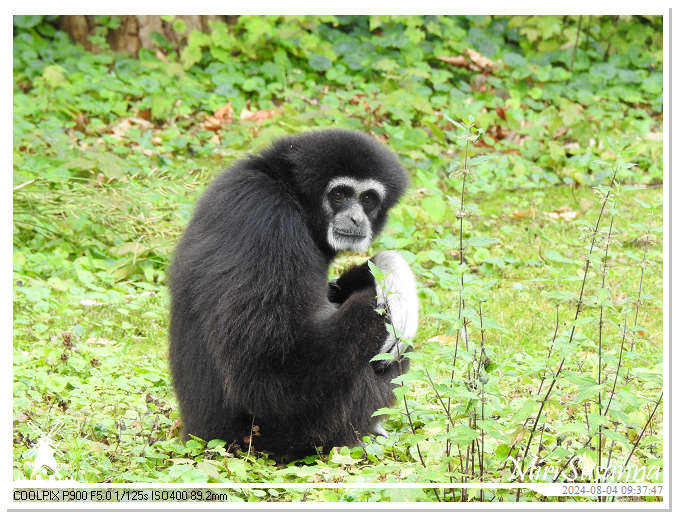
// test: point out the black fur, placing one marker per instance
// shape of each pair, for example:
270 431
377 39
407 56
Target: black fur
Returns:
255 339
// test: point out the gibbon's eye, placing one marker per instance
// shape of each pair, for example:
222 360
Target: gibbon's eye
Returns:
369 200
339 194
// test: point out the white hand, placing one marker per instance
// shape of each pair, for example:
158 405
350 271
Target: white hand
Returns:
397 293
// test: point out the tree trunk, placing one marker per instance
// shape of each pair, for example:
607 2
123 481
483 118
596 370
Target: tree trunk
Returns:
134 31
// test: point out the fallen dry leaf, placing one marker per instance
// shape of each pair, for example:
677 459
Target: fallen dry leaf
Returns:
121 128
224 114
458 61
99 341
175 427
442 339
480 60
87 302
567 397
518 214
81 121
565 215
212 123
497 132
260 115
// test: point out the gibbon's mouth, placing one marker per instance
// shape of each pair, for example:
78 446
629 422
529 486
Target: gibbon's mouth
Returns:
349 234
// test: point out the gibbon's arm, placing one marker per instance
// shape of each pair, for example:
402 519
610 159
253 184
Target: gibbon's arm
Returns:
342 339
331 353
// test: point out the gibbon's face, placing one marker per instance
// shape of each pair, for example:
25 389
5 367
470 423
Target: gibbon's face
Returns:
351 206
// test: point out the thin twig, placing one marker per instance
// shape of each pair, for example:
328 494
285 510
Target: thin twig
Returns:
542 380
459 307
617 371
23 185
642 431
601 327
577 39
577 314
638 302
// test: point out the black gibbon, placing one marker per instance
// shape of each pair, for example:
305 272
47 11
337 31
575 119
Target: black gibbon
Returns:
261 343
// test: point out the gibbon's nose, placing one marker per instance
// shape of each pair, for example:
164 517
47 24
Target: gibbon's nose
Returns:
356 215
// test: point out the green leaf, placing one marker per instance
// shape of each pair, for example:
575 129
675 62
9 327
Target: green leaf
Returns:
383 356
54 75
346 459
386 411
527 407
319 62
436 256
190 55
481 241
238 468
26 21
463 434
435 207
555 256
179 26
81 164
161 106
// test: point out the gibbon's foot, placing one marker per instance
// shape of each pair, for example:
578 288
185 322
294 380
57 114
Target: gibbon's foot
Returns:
377 429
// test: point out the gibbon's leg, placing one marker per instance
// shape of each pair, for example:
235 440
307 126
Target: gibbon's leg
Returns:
384 372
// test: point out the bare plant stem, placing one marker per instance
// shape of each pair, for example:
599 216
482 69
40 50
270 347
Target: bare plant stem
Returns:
577 314
412 429
405 401
577 39
482 452
601 327
610 38
610 448
549 352
459 310
636 443
638 302
439 398
617 371
657 403
589 439
481 362
565 465
542 380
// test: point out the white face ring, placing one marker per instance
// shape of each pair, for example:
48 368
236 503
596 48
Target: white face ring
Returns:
359 186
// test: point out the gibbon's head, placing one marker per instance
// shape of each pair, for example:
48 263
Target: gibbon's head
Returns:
348 180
